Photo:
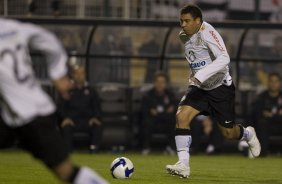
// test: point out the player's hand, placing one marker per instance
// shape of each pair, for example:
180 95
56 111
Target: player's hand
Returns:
170 109
67 122
267 114
280 112
153 112
194 81
94 121
63 85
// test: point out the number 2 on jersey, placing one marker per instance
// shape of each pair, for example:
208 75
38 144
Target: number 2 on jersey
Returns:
22 53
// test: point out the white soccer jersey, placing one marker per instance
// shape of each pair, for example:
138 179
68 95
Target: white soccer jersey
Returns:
207 56
21 96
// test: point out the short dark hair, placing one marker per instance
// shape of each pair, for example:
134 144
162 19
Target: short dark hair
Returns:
161 74
274 74
194 10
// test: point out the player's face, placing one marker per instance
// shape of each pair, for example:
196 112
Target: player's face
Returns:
79 75
274 84
160 84
189 25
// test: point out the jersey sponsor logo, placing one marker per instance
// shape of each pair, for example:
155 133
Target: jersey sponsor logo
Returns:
197 65
217 40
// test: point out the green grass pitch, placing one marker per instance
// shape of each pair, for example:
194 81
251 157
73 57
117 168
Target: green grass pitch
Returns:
19 167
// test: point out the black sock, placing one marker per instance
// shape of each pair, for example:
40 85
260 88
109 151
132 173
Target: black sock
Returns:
182 131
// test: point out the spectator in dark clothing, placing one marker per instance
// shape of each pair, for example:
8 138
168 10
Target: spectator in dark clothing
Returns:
81 112
55 6
159 105
267 112
206 134
115 69
151 47
33 6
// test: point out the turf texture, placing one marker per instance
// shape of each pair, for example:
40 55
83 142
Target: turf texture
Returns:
18 167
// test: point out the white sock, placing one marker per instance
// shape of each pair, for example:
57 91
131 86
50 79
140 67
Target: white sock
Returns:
183 143
247 135
88 176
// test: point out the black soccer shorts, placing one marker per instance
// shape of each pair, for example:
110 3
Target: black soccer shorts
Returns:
40 137
218 103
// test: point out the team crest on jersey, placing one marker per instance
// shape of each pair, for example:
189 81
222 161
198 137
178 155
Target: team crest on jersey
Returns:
198 40
191 56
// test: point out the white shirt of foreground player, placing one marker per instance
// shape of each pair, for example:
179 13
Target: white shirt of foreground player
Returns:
21 96
207 56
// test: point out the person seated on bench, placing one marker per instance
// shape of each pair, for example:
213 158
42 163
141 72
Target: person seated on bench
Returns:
81 111
159 106
206 134
267 112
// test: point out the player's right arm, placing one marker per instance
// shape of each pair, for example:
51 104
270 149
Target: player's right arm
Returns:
44 41
215 43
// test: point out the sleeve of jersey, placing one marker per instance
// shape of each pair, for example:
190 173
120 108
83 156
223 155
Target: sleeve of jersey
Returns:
216 45
45 42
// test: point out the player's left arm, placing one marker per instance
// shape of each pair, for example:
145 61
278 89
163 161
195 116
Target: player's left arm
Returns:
46 42
215 43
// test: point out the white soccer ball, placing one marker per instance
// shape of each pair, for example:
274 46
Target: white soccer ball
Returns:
122 168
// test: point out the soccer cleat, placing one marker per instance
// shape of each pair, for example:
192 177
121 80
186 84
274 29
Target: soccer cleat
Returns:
179 169
254 145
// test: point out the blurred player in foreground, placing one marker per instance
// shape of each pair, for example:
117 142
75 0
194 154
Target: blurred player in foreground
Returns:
26 109
211 90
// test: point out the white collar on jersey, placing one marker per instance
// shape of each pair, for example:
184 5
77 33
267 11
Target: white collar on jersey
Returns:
195 35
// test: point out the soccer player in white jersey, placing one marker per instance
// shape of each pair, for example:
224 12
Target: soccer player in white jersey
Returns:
26 110
211 90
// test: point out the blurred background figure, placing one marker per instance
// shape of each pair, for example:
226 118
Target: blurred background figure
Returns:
150 47
159 106
267 112
34 7
276 15
55 7
81 112
206 135
277 47
111 69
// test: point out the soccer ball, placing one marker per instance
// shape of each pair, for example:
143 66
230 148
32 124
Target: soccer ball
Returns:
122 168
